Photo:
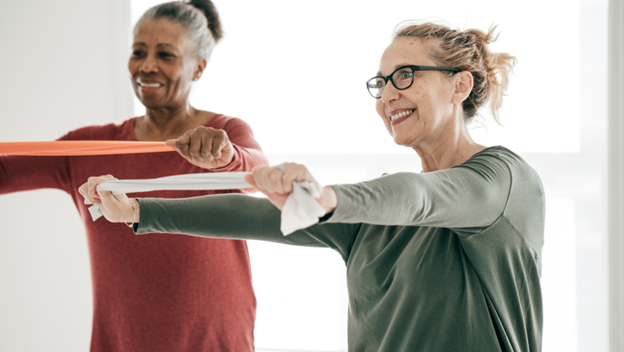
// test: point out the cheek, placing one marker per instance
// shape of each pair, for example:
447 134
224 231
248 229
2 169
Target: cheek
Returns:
380 107
132 67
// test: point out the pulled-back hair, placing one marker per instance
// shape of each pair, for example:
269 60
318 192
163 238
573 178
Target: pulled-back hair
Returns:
467 51
199 17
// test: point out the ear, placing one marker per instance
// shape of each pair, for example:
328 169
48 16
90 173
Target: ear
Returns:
462 86
199 69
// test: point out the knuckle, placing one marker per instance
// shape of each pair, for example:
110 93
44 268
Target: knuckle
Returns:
275 175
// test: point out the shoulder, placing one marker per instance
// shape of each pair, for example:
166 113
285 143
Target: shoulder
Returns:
228 123
526 189
497 160
111 131
500 166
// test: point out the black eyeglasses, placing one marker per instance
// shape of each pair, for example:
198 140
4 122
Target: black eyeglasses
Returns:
402 78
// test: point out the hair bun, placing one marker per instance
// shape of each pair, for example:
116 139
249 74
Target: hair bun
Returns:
210 11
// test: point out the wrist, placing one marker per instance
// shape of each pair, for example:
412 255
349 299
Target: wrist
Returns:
329 199
132 215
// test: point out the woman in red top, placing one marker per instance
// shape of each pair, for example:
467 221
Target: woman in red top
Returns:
161 293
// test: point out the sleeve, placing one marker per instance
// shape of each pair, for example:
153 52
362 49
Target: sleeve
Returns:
237 216
471 195
24 173
247 152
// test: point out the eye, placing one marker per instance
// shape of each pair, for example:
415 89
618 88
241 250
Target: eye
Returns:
165 55
404 74
138 53
377 83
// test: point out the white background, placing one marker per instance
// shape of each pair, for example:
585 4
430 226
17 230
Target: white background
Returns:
295 71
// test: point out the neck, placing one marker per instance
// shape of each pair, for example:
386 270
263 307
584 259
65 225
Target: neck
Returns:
453 148
169 121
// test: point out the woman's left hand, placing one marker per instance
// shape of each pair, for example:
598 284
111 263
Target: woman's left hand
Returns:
114 207
205 147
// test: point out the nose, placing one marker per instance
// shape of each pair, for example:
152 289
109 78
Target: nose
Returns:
390 94
149 65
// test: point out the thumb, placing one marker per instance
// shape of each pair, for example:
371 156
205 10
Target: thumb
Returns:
250 179
171 143
106 196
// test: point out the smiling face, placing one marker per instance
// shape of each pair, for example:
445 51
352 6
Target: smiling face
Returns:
163 64
426 111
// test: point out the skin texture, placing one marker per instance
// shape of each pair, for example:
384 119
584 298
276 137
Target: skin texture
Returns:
162 55
435 129
163 67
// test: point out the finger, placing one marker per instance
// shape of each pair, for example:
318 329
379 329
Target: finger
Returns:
85 194
114 206
108 204
206 150
182 144
269 179
260 178
250 179
83 190
294 173
219 142
276 178
195 147
93 183
287 177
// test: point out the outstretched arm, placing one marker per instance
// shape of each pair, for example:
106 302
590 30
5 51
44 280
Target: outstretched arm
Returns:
470 195
218 216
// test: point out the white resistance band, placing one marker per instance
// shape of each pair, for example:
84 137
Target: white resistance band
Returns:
300 211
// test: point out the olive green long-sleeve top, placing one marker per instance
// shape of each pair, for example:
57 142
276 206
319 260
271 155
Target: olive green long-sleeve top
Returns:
441 261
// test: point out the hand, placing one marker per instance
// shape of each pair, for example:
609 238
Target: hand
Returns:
204 147
114 207
277 184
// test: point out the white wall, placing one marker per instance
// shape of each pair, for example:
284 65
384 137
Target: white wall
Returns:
61 67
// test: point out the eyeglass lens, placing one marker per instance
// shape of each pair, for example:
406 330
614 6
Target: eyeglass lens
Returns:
401 78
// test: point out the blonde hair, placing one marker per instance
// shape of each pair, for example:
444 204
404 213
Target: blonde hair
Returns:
467 51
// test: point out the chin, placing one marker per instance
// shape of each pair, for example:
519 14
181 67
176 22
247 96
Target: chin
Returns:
150 103
404 141
401 142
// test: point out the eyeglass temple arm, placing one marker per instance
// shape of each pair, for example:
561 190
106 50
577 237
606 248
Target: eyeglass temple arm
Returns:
435 68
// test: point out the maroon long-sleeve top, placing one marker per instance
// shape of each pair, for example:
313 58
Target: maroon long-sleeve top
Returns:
161 292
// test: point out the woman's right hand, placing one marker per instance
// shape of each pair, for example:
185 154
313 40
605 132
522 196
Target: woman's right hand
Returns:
276 182
205 147
114 207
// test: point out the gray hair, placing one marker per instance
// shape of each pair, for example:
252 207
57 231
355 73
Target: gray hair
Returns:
191 18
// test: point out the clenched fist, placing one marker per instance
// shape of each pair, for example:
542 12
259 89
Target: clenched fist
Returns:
205 147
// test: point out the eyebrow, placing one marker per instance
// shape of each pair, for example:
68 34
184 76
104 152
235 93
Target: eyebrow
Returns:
395 67
158 45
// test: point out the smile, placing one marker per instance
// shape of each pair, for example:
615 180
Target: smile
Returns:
150 85
401 114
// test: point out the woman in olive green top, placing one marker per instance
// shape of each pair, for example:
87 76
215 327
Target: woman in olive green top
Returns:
445 260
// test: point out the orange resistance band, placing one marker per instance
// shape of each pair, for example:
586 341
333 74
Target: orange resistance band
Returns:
71 148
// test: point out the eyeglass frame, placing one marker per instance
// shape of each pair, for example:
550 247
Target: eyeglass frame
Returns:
414 68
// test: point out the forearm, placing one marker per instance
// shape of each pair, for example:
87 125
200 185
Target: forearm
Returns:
230 216
23 173
245 159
